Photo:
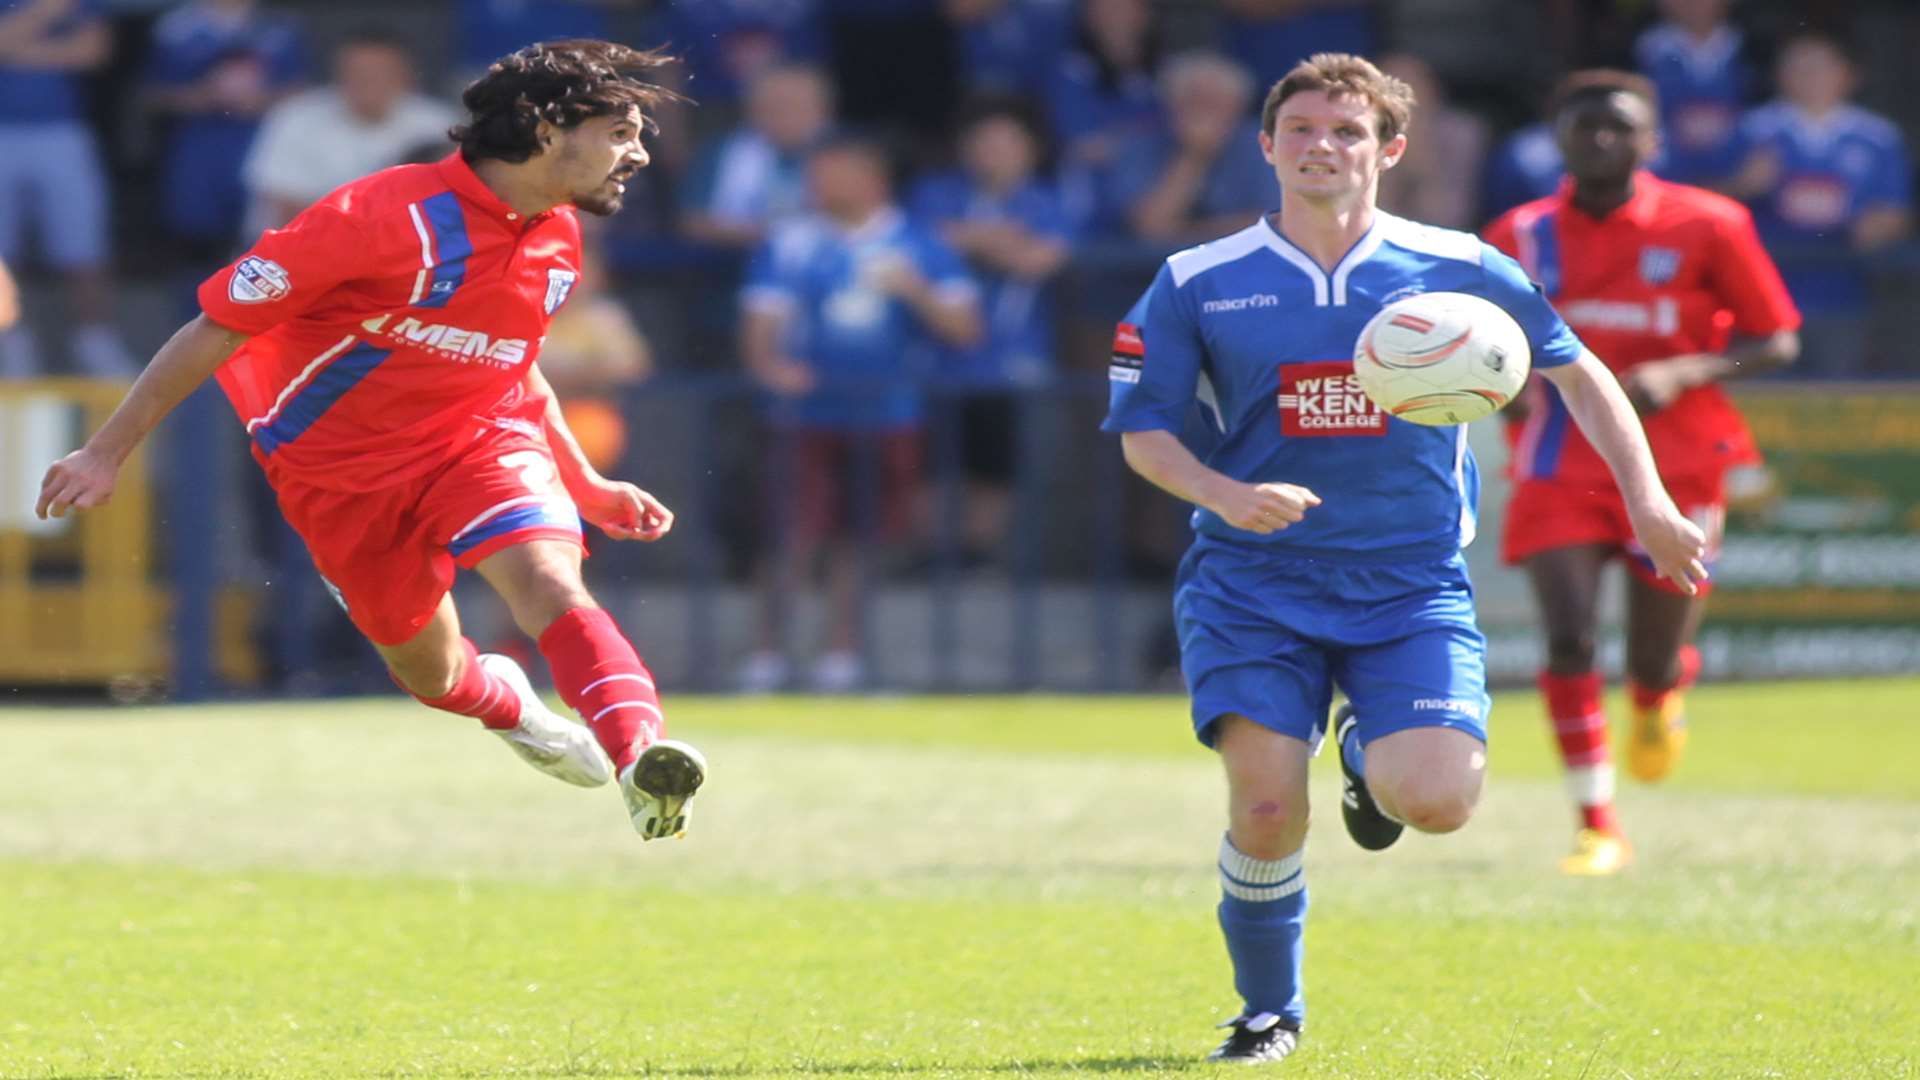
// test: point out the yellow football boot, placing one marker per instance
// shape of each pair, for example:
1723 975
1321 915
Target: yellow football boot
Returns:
1597 854
1659 736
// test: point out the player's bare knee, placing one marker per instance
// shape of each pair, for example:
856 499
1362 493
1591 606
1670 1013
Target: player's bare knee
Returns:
1434 806
1570 654
1653 668
561 592
550 589
1270 828
1439 816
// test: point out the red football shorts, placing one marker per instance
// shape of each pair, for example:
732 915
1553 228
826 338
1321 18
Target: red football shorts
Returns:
389 554
1548 514
830 484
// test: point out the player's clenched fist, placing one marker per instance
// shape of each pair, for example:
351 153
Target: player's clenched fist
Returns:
1675 545
81 480
1264 508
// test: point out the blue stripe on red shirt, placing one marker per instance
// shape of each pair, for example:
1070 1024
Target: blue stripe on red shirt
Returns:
315 398
1546 241
451 247
1553 434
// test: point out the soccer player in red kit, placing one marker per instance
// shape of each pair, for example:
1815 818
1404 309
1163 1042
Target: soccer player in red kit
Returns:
1669 285
380 350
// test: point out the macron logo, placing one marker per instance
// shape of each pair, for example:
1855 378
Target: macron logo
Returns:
1448 704
1240 303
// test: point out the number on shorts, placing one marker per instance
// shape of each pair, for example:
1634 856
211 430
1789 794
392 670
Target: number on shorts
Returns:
534 467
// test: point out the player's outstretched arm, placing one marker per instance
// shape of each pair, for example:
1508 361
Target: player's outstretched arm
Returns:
1606 417
1657 384
621 510
85 478
1164 461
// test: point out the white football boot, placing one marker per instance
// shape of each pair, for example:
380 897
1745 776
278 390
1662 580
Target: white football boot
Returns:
546 740
657 786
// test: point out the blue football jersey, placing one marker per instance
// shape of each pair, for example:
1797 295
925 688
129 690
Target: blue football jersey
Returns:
1703 87
1526 166
1018 347
1251 327
34 93
1831 171
868 348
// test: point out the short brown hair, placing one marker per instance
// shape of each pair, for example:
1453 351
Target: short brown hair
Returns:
1345 75
561 82
1599 82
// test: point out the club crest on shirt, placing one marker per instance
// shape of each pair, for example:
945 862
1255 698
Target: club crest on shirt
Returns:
559 284
1658 265
258 281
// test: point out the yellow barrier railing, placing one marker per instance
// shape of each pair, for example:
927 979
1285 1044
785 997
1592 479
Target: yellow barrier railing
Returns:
77 603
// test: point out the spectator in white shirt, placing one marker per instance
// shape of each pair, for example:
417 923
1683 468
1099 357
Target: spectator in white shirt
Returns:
369 117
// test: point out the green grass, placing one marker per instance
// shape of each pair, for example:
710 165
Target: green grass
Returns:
946 887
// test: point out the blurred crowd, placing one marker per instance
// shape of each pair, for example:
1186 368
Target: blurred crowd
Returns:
869 195
1018 133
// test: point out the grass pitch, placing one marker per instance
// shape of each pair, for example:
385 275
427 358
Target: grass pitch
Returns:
945 887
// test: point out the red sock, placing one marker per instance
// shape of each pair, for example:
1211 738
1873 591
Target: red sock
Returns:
478 694
1580 727
600 676
1646 697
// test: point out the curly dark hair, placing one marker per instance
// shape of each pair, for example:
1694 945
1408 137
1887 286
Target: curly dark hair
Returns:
561 82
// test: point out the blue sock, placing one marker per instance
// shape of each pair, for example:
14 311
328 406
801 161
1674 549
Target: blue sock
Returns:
1355 754
1263 911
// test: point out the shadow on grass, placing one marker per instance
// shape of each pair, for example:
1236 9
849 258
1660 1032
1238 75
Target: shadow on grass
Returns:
1017 1066
1135 1064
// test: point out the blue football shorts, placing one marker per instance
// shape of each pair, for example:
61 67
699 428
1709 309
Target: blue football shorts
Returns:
1270 636
51 182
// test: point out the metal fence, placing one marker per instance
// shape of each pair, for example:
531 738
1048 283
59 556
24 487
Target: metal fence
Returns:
1068 598
1074 597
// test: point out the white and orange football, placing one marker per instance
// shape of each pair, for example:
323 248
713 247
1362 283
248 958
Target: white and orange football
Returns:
1442 358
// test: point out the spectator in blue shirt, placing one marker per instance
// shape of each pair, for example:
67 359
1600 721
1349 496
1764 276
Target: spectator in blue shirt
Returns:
1201 174
214 69
1828 182
844 312
1268 37
726 42
1010 46
1524 167
1103 94
756 176
51 182
1008 222
1697 60
485 30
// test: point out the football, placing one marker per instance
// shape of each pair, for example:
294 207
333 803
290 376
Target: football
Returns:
1441 358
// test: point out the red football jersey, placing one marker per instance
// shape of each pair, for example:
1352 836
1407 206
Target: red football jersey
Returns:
1676 270
392 322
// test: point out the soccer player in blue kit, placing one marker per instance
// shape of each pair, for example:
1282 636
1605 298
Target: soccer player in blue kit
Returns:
1328 536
